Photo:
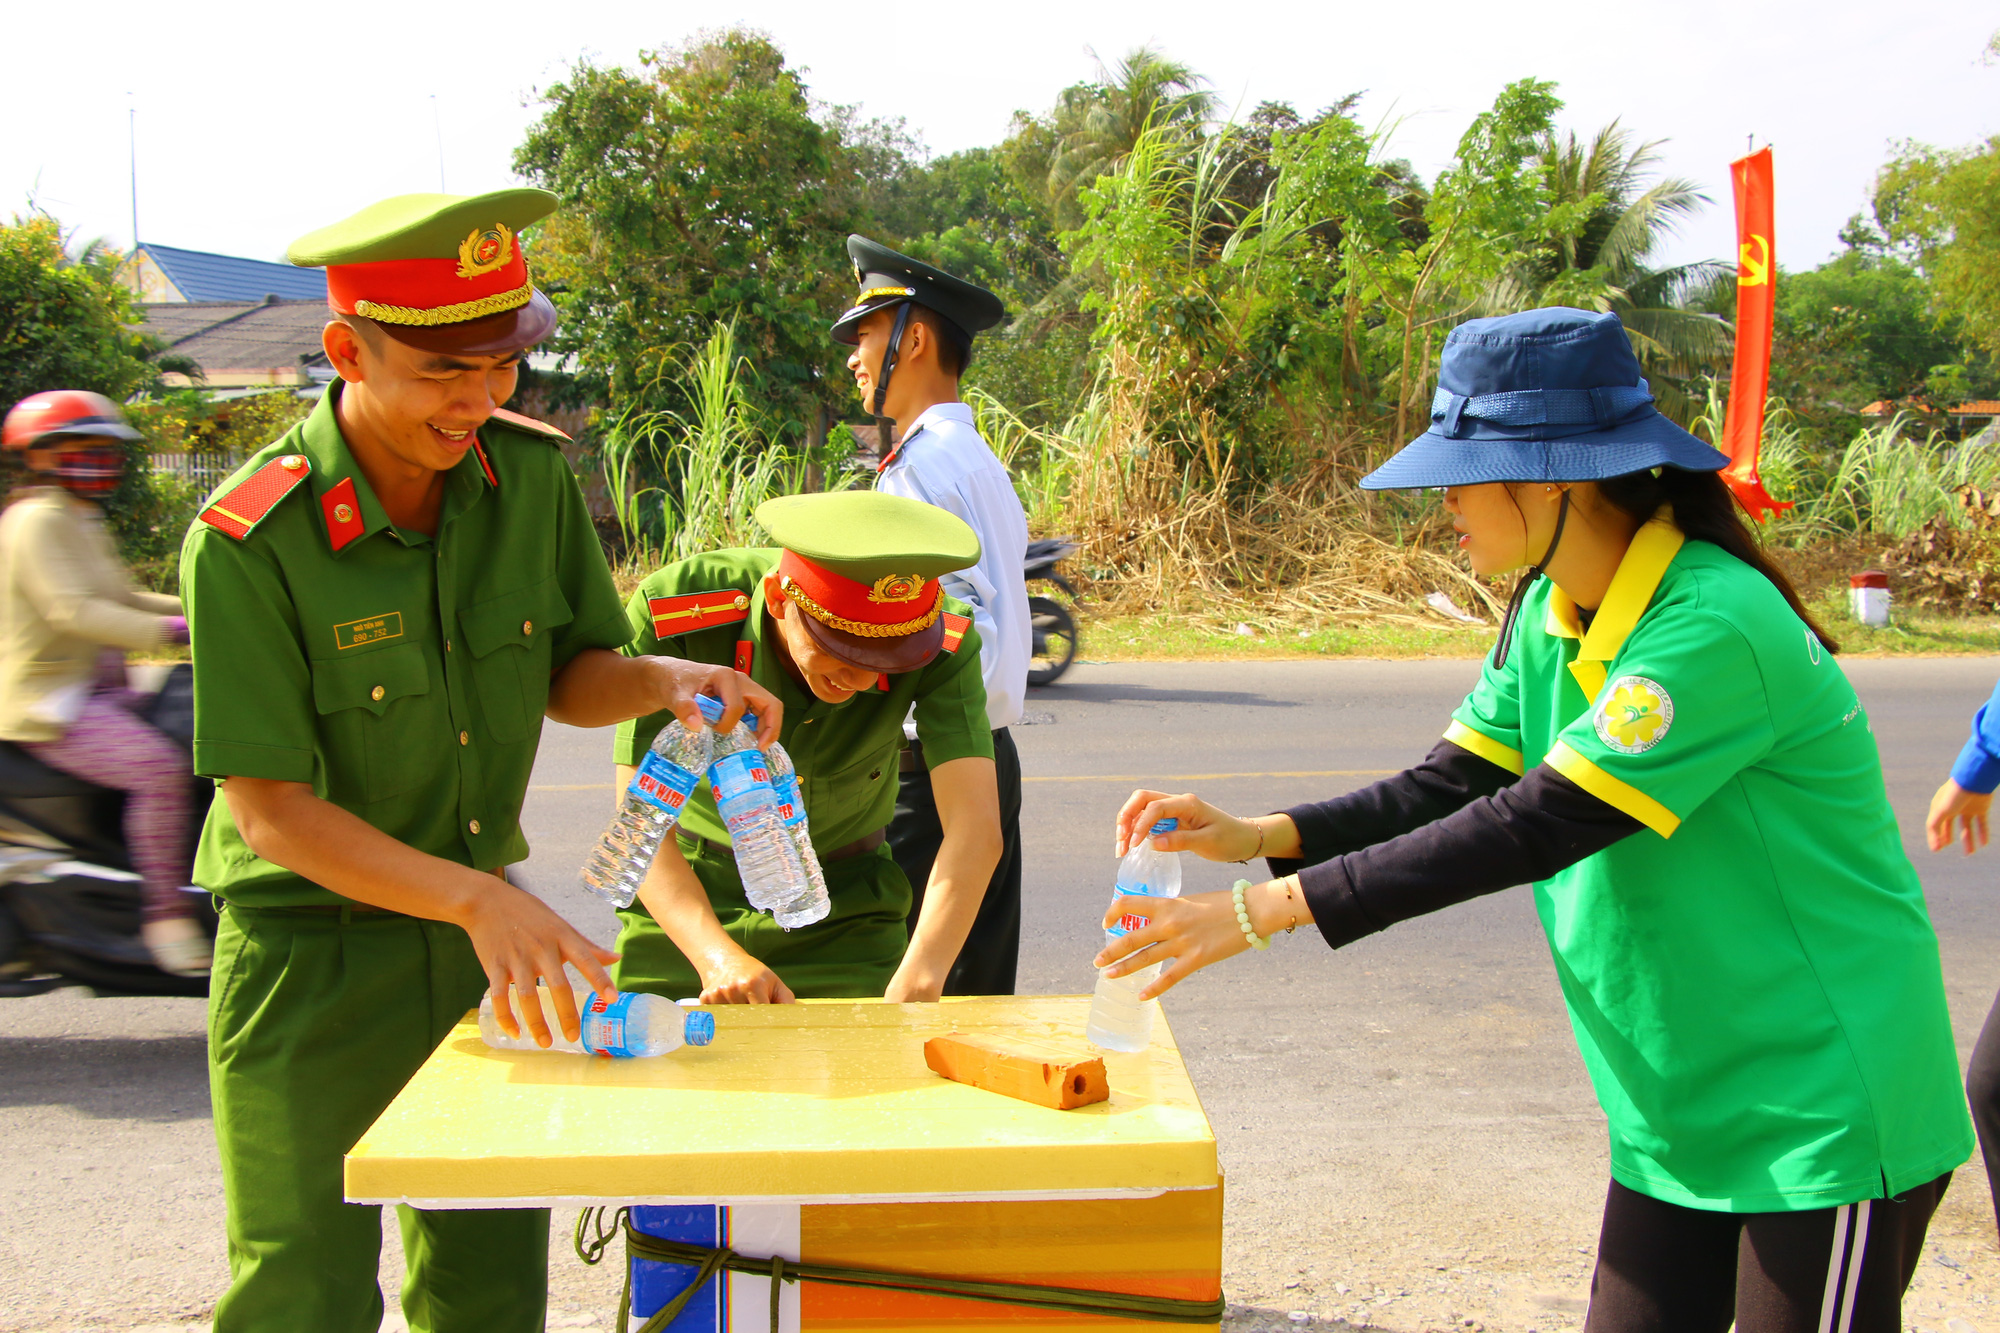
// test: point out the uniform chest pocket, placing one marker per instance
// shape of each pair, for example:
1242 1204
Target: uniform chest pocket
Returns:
377 721
511 638
848 797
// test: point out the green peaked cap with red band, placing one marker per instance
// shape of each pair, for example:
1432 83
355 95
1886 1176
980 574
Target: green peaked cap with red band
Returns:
864 568
442 272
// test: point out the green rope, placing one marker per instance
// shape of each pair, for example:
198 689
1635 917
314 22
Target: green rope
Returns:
710 1260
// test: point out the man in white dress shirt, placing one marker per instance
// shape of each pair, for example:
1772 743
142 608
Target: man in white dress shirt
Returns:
911 329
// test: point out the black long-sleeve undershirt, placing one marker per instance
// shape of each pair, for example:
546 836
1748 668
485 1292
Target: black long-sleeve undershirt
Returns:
1454 827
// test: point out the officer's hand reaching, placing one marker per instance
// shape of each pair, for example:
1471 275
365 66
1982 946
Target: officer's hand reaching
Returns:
680 682
521 941
737 978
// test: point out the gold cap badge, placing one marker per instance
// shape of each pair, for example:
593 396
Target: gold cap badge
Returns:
897 588
486 251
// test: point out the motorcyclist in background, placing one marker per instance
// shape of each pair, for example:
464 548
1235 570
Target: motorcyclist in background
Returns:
68 614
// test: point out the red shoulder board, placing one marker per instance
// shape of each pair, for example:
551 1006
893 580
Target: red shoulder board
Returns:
243 506
954 631
746 655
697 610
527 425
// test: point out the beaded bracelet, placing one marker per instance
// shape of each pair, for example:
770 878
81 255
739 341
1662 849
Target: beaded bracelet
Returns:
1243 916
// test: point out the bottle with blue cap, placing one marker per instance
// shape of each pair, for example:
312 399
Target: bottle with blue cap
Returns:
668 774
774 876
1119 1019
635 1024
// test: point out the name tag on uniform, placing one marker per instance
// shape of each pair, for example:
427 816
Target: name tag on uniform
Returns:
374 629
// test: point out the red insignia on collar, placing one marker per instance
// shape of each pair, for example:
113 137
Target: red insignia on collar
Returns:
342 508
746 653
954 631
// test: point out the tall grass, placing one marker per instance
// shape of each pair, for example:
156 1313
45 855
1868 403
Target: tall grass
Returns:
1885 482
682 483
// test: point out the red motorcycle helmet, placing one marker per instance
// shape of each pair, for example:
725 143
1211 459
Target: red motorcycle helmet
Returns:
44 420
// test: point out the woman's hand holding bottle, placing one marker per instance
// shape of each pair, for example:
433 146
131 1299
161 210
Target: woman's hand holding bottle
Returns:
1210 833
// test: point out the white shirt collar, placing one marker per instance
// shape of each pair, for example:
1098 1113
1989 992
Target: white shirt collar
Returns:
959 412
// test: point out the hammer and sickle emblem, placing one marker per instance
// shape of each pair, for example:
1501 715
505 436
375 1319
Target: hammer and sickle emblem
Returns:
1754 262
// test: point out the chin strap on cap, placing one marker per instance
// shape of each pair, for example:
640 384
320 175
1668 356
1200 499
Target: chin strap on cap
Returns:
879 400
1535 571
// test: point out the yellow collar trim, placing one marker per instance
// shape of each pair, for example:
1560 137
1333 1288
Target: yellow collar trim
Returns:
1653 548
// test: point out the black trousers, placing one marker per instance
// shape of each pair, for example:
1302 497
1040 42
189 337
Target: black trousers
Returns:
1982 1090
1662 1268
986 964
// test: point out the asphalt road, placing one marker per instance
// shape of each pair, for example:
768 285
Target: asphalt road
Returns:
1407 1131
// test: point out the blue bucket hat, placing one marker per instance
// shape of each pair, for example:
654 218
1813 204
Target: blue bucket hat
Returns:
1545 395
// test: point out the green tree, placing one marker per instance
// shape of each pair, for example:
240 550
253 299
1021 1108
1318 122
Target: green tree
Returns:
1603 262
1942 207
1858 329
66 323
1094 125
695 190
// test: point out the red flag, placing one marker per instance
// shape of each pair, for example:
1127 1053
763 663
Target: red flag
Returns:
1756 305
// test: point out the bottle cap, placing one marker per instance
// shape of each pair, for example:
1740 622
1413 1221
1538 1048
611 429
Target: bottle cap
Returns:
1164 826
711 708
700 1029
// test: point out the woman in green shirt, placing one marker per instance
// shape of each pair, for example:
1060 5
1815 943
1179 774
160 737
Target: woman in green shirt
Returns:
1750 971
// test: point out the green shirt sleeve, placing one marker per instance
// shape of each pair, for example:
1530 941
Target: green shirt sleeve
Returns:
1684 711
1488 723
253 712
596 620
951 705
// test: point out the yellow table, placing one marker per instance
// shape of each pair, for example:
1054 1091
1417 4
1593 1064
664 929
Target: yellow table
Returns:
817 1132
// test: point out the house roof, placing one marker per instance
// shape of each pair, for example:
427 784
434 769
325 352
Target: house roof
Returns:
201 276
1978 407
237 336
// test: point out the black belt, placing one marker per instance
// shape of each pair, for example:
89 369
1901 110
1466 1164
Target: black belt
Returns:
859 847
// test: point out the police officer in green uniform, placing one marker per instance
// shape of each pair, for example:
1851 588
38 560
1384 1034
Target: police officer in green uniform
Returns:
384 605
846 624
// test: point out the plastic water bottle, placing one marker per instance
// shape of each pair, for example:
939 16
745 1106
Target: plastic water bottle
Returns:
774 879
668 774
634 1024
1119 1019
792 810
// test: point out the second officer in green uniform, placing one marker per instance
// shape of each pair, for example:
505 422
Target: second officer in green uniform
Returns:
847 626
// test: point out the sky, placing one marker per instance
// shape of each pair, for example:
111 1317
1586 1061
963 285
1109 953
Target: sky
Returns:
256 123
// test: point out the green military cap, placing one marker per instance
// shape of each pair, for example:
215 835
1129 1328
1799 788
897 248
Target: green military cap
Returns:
888 279
864 568
443 272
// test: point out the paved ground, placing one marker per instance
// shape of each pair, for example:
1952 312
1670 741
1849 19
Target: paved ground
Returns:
1409 1138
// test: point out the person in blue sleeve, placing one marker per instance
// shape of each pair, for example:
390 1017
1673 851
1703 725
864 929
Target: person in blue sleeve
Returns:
1959 814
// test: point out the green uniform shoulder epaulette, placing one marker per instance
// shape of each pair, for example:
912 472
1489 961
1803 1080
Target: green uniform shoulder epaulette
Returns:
243 506
528 425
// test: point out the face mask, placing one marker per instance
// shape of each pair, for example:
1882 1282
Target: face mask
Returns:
90 472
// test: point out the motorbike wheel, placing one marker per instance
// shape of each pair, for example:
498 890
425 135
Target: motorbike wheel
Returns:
1054 640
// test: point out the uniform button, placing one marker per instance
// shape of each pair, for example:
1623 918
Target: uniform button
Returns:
377 693
291 462
464 738
447 645
742 602
527 627
876 774
474 826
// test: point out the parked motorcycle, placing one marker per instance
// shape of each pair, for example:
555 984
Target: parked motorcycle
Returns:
1054 645
69 899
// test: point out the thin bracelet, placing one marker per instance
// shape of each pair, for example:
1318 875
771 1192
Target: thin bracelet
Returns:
1243 916
1260 846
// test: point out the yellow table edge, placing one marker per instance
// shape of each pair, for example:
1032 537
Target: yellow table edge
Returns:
1161 1140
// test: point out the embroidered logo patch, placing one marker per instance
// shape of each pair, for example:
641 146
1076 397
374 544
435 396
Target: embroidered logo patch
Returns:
1635 715
356 633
